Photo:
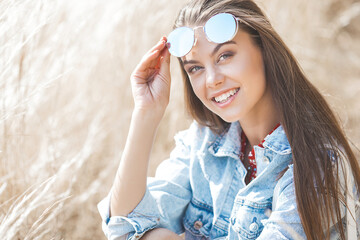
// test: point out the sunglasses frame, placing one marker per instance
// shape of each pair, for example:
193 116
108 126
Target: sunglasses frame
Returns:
204 29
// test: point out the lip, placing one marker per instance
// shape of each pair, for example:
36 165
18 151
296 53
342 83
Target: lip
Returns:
221 92
228 102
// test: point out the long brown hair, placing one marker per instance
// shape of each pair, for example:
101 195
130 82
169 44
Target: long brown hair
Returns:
316 138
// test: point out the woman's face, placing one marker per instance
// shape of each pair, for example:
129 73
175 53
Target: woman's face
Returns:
228 78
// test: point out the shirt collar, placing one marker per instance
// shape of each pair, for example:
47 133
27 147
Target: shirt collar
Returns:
228 143
278 142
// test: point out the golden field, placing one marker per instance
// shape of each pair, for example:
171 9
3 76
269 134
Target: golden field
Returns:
65 97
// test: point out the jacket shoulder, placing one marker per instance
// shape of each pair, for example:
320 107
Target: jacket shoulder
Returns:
193 136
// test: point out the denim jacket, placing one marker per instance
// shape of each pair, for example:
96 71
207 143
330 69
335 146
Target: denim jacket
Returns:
200 190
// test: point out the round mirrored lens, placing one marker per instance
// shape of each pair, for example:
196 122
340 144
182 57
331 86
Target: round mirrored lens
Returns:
181 41
220 28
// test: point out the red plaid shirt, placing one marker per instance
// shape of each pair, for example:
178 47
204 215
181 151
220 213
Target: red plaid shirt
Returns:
251 174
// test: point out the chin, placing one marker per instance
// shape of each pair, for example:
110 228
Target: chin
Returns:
229 119
229 115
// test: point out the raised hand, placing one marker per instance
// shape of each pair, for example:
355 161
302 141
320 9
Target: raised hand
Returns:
150 81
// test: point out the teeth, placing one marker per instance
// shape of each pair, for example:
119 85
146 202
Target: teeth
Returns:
223 97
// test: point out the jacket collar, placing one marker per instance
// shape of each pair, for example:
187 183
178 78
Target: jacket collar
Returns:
228 144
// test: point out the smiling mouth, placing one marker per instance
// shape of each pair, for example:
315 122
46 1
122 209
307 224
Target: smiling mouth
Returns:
225 96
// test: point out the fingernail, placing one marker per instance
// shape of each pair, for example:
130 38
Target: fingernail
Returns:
163 40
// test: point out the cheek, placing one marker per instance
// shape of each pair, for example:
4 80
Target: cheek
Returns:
254 75
256 90
198 89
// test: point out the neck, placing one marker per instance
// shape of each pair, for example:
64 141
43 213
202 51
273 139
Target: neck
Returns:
257 124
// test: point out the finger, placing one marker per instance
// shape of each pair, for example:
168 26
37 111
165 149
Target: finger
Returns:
148 61
149 58
160 60
165 63
159 46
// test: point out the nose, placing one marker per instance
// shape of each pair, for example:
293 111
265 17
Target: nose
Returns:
213 78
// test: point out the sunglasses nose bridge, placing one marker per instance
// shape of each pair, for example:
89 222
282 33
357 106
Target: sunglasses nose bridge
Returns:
197 32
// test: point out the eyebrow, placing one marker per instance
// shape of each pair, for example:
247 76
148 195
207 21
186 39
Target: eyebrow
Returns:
220 45
213 52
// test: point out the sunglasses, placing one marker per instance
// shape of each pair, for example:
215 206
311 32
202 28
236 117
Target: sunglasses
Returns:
219 28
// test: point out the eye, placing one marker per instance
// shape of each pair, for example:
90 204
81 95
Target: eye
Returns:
193 69
224 56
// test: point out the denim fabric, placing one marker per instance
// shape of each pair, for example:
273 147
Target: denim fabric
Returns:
200 190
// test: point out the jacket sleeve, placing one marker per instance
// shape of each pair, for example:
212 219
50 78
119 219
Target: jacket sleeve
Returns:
284 221
165 200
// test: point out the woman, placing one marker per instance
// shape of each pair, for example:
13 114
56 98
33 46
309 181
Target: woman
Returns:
265 157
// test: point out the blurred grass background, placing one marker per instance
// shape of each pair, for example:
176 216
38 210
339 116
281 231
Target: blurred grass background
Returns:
65 97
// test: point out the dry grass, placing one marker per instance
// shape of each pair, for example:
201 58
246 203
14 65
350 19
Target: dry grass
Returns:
65 99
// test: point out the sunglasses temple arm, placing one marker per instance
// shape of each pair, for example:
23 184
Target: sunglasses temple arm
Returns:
247 24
